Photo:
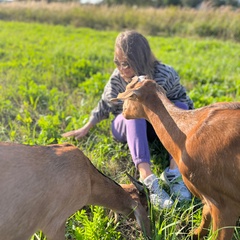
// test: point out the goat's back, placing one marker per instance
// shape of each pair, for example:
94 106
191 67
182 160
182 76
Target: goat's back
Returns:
38 184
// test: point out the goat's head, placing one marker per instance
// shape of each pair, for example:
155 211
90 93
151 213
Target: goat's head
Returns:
136 93
137 191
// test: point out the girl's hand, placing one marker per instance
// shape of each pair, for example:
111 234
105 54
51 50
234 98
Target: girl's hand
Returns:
79 133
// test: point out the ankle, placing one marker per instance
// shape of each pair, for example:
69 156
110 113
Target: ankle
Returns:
144 170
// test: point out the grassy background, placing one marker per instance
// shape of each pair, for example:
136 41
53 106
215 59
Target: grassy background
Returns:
204 22
51 76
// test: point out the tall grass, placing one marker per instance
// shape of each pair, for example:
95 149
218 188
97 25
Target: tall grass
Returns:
218 23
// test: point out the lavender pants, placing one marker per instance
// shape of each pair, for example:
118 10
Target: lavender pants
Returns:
136 133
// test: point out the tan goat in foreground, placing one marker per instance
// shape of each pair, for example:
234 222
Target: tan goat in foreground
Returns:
205 144
41 186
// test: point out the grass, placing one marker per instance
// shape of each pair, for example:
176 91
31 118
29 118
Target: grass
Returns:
220 23
51 77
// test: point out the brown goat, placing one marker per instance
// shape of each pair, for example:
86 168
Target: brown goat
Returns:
41 186
205 144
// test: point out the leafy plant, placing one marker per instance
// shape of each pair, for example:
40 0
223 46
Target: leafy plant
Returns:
93 225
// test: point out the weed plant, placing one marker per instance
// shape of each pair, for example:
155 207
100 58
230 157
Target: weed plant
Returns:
51 77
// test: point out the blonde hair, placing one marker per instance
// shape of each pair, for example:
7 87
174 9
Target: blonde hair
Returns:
137 51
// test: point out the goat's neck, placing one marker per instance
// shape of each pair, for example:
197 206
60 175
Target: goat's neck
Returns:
107 193
170 123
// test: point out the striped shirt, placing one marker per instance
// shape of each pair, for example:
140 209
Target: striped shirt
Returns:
164 75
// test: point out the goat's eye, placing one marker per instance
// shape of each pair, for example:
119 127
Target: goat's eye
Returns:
134 97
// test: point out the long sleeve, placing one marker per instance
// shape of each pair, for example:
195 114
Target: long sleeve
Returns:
168 78
115 85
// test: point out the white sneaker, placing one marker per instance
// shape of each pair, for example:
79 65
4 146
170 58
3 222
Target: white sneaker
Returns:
158 196
176 184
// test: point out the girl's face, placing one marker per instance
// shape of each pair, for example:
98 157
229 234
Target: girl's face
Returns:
123 66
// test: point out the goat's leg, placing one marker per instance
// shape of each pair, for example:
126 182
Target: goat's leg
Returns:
203 230
224 221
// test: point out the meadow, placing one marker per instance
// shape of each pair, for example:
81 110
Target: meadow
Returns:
204 21
51 77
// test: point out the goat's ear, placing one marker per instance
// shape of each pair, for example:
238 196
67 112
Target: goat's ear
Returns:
137 184
122 96
125 95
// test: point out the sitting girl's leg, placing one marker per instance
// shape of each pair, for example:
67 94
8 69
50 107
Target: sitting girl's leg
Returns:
134 132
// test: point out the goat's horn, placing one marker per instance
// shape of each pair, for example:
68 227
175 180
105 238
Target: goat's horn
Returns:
136 183
141 78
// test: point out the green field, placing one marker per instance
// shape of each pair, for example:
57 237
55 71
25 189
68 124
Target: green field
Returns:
51 77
